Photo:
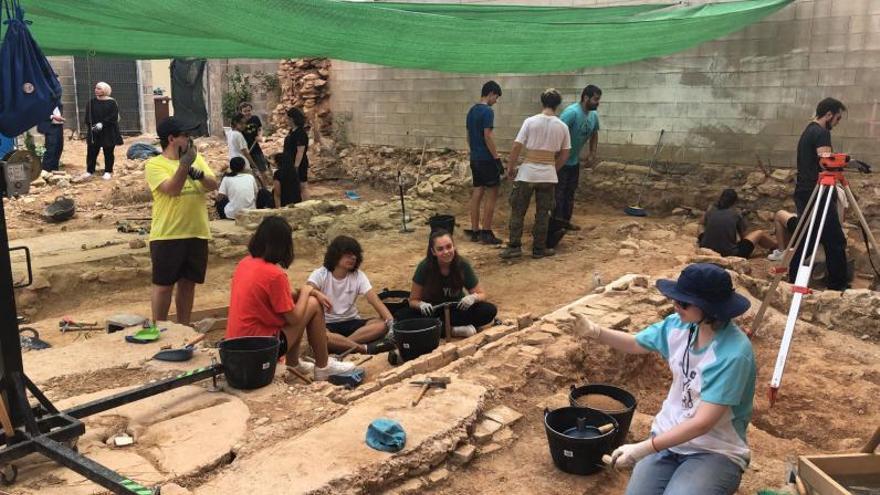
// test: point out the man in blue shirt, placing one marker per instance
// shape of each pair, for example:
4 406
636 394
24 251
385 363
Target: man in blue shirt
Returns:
486 166
582 120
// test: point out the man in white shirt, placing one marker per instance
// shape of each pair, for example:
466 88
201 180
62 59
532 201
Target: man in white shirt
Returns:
547 143
238 191
236 143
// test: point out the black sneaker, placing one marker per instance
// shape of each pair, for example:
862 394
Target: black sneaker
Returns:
384 345
543 253
488 237
511 252
473 234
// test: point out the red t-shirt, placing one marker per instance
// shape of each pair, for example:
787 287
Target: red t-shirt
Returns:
259 297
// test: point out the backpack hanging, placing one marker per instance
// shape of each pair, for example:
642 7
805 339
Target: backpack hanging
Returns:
29 88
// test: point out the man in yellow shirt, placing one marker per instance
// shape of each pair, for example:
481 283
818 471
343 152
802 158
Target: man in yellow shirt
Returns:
178 180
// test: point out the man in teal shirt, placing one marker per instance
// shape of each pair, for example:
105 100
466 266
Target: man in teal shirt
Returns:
582 120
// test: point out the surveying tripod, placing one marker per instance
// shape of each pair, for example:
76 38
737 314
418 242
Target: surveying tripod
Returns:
806 234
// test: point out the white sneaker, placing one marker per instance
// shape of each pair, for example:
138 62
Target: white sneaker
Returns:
84 176
464 331
776 255
304 368
107 176
333 368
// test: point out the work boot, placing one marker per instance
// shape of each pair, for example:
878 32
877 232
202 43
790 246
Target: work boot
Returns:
334 367
543 253
474 235
488 237
511 252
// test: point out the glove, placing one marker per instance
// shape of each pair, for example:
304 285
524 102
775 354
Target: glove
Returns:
195 174
584 327
426 308
188 157
99 126
628 455
467 301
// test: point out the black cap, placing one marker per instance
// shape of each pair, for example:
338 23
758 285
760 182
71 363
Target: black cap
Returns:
174 126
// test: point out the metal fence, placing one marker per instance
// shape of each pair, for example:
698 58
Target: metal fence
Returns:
122 75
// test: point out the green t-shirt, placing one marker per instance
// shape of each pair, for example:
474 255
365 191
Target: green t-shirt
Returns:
449 293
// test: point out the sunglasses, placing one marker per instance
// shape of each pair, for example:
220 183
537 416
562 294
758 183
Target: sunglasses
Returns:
682 304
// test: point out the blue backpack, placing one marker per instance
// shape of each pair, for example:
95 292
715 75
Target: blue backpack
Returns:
29 88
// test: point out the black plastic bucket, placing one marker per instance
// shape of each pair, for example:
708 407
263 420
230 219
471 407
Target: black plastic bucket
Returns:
623 416
416 336
570 452
249 362
445 222
394 300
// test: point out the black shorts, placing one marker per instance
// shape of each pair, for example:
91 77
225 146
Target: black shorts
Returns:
486 173
791 224
176 259
346 328
303 172
260 159
744 248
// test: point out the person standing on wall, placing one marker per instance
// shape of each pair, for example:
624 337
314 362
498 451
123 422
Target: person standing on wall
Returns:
179 233
253 134
296 149
486 166
102 121
815 141
53 130
547 145
582 120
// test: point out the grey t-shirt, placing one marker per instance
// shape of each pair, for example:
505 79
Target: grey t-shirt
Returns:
722 230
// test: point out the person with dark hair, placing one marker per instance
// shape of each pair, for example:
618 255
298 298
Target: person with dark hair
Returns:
341 280
296 149
814 142
725 230
253 133
582 119
698 439
236 144
179 232
102 122
238 191
547 144
486 166
285 182
53 130
261 303
442 277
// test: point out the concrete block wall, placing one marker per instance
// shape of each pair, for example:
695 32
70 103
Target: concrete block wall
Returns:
722 102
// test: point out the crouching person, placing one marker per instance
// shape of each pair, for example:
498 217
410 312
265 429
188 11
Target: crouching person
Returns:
341 280
443 277
260 302
698 439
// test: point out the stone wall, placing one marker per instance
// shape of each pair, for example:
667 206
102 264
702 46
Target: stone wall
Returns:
722 102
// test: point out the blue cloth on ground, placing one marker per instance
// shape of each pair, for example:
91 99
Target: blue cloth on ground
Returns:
386 435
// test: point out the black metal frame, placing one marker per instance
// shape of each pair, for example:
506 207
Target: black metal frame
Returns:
43 428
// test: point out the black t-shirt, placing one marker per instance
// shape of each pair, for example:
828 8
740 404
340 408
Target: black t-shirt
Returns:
289 180
296 137
251 129
814 136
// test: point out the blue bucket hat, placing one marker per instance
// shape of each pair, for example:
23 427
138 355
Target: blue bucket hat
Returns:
708 287
386 435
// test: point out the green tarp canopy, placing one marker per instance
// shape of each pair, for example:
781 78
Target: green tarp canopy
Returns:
445 37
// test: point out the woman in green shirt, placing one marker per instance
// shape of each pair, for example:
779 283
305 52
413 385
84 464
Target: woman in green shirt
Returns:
444 276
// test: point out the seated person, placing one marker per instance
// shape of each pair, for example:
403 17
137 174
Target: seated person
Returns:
786 223
260 302
238 190
342 281
285 184
724 230
443 276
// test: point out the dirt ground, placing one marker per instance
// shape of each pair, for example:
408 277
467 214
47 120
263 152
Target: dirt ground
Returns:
828 402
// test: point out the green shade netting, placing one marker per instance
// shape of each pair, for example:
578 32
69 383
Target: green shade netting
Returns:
443 37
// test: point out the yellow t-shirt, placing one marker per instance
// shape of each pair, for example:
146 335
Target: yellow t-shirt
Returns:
177 217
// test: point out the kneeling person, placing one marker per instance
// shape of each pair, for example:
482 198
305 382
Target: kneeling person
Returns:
341 280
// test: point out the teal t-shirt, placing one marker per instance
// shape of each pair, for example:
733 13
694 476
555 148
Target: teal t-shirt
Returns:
448 291
581 126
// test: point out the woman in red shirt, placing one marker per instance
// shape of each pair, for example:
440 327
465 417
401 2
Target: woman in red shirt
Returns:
261 303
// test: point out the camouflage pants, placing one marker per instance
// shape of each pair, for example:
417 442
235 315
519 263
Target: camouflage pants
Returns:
520 197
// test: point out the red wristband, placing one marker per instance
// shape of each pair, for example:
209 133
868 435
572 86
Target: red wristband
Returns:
653 446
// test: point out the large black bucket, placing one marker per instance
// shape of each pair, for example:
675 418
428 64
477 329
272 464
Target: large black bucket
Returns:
445 222
416 336
571 451
394 300
623 416
249 362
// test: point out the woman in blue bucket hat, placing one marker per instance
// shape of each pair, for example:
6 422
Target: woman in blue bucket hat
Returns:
698 439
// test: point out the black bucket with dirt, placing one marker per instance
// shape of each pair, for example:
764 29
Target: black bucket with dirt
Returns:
416 337
394 300
611 400
578 438
249 362
445 222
